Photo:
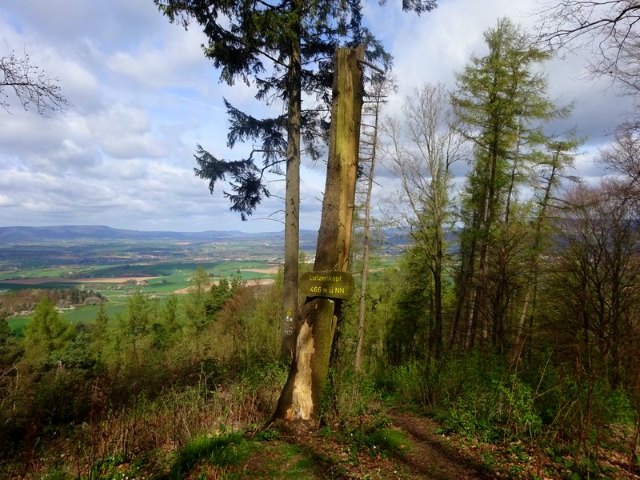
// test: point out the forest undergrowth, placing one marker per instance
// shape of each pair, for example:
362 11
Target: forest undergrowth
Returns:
197 404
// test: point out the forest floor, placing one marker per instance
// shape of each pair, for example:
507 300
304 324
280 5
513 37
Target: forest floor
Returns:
409 447
402 445
418 452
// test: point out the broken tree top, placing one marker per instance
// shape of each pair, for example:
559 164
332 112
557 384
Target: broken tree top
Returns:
337 285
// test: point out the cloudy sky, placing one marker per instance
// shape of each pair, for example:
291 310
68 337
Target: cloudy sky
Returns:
143 96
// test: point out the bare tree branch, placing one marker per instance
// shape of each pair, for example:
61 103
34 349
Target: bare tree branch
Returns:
610 28
30 85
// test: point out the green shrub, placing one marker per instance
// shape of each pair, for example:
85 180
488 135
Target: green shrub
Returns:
504 408
107 468
57 474
414 383
618 407
516 411
472 394
472 414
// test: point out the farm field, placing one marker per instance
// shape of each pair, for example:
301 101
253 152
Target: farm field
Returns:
118 268
154 263
158 281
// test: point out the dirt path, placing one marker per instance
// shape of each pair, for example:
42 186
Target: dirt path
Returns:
430 455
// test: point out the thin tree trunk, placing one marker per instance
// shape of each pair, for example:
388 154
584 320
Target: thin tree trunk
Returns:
532 287
292 202
466 276
512 181
437 307
362 307
478 311
365 274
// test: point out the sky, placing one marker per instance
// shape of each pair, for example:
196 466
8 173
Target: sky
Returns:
143 95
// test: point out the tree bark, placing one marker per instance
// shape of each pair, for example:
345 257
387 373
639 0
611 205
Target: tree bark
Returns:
299 403
292 202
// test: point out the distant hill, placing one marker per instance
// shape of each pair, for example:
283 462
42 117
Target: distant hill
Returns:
19 234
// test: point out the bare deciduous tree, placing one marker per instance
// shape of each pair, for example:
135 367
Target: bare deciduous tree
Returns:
610 27
623 157
30 85
369 139
597 280
421 147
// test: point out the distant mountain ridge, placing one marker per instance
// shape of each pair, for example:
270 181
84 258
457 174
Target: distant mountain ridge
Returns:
19 234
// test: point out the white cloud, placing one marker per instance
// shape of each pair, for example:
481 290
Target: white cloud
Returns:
124 132
164 63
143 96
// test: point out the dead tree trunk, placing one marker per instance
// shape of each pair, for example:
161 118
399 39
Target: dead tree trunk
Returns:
370 139
299 403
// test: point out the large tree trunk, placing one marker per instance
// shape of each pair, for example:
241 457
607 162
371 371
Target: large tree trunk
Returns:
292 204
299 403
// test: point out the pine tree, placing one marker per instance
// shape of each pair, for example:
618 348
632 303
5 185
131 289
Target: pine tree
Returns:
170 313
99 332
196 302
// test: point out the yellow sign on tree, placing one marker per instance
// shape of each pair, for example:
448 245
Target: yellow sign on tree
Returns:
338 285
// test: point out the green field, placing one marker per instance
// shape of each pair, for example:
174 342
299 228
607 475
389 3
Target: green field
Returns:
221 268
170 277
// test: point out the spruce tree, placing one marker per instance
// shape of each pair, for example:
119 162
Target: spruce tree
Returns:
99 332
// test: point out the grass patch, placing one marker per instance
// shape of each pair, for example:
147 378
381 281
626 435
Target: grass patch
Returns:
222 451
242 458
303 468
387 441
275 459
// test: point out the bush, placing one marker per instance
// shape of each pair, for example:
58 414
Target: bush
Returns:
412 383
516 410
502 408
471 395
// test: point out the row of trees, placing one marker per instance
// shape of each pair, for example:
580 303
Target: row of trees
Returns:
26 299
147 323
495 120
